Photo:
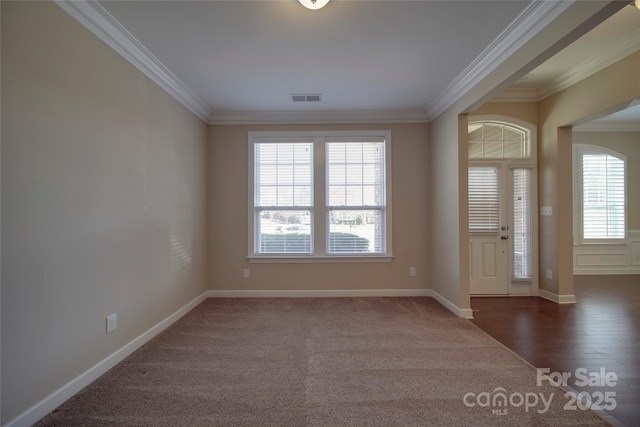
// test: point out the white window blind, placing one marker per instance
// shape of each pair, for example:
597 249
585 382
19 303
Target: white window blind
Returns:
283 186
484 199
603 196
521 223
356 196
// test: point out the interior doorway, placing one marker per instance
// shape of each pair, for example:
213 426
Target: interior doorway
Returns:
606 172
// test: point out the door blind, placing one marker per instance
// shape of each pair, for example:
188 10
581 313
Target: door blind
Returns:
484 200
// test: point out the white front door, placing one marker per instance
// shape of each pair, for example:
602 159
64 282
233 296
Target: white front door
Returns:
489 229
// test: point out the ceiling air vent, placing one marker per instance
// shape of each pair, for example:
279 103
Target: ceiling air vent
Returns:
308 97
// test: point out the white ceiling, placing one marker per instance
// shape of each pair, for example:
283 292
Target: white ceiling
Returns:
249 56
243 57
625 120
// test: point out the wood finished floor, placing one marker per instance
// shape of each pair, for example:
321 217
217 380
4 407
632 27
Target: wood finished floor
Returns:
601 331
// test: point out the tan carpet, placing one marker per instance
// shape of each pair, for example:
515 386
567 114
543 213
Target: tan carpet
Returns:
316 362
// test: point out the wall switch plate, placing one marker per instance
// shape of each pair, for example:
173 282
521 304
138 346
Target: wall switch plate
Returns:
549 274
245 273
546 211
412 271
112 322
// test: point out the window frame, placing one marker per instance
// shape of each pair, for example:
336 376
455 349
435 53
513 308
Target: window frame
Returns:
578 151
532 224
320 208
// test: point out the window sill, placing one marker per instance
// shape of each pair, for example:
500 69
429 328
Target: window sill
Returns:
314 259
603 242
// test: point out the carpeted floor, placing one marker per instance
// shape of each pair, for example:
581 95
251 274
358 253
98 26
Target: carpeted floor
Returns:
319 362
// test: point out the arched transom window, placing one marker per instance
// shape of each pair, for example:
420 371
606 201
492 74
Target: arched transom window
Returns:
495 140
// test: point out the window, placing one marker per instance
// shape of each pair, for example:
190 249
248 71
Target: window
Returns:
319 195
601 195
521 223
494 140
283 196
355 186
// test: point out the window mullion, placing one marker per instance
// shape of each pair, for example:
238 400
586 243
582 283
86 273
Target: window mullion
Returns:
319 211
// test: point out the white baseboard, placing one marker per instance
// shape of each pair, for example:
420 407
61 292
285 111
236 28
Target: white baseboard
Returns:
61 395
339 293
560 299
321 293
465 313
528 294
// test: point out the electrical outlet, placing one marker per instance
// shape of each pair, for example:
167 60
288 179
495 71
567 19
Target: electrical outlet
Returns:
112 322
546 211
549 274
412 271
245 273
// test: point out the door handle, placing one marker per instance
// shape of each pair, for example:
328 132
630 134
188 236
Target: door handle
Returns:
504 237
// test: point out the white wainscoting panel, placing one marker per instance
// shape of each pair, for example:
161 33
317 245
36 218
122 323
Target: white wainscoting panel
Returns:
634 246
608 258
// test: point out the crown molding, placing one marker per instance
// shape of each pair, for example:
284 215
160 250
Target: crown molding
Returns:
529 23
625 47
96 19
517 94
602 127
317 117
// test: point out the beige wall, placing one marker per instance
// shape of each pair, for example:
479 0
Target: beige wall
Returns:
525 111
98 166
449 278
628 144
228 182
604 91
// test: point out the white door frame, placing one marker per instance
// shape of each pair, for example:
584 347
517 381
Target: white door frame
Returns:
518 287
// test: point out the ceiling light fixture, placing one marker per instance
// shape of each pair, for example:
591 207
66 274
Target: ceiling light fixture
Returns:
637 3
314 4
